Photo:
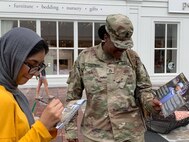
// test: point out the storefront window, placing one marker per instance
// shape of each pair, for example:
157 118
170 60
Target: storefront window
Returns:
171 61
65 41
48 32
51 61
165 48
84 34
97 39
28 24
65 61
159 61
172 36
7 25
66 34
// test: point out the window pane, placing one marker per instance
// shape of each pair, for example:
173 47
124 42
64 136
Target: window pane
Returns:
7 25
160 36
51 59
171 36
159 61
28 24
171 61
48 32
84 34
97 39
65 61
66 38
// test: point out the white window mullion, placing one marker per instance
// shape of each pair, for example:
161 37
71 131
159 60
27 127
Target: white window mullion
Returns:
165 62
93 34
75 40
38 27
57 43
18 23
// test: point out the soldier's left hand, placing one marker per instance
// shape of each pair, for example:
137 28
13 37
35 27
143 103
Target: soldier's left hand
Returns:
156 104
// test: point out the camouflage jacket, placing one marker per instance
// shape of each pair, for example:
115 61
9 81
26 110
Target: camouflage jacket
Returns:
111 112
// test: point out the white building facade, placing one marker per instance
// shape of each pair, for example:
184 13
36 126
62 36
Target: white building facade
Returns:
160 32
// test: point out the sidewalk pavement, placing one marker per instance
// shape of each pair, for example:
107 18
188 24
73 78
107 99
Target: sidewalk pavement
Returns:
178 135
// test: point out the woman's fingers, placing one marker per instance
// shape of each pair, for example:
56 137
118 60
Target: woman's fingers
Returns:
52 113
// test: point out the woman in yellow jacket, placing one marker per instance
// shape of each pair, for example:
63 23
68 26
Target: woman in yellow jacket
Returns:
22 54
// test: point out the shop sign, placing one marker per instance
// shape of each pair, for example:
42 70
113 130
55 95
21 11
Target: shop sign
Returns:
178 6
59 8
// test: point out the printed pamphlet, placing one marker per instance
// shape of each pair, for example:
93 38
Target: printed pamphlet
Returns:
174 94
69 111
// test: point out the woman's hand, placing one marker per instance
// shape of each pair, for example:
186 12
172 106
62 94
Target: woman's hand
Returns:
52 114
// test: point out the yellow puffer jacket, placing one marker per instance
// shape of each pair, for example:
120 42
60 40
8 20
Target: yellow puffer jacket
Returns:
14 126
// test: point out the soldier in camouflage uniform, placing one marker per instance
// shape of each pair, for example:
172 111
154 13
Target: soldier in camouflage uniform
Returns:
106 74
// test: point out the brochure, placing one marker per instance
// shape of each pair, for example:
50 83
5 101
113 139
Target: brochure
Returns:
174 94
69 111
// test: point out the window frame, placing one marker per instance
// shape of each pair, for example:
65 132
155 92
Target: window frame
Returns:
166 49
75 47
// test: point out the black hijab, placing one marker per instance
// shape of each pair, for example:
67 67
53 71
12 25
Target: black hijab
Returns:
15 46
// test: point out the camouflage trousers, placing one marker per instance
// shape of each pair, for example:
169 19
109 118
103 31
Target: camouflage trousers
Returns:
136 139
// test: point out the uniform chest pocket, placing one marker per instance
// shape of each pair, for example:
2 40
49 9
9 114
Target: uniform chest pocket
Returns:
94 78
124 77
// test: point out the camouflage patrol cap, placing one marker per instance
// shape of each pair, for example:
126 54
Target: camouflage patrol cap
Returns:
120 29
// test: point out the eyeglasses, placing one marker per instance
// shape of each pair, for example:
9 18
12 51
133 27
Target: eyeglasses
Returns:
35 69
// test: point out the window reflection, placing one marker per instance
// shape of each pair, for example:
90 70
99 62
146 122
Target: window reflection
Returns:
171 35
48 32
61 54
84 34
66 58
171 61
159 35
50 60
7 25
66 38
159 61
28 24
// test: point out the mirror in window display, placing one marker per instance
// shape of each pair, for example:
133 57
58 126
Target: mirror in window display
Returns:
66 59
28 24
66 34
7 25
48 32
84 34
50 61
171 61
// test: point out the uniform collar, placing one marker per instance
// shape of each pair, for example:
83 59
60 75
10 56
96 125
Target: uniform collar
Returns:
105 57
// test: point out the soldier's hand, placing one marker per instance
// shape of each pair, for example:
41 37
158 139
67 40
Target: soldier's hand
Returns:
156 104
